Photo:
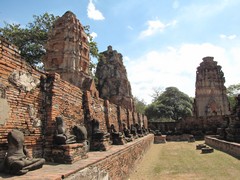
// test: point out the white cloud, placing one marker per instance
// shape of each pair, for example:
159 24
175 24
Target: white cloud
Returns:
155 26
230 37
94 35
93 13
176 66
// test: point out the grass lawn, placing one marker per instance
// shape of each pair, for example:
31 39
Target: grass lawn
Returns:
181 160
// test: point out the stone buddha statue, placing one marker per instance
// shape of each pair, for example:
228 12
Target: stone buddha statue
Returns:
127 134
62 135
17 160
117 137
97 134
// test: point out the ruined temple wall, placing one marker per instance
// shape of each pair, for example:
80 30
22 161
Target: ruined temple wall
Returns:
31 100
135 118
145 121
122 163
207 125
65 100
130 117
95 109
113 115
21 100
123 116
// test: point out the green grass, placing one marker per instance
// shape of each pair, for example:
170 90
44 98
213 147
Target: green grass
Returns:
181 160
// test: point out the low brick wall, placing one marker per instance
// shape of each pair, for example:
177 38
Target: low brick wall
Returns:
225 146
116 164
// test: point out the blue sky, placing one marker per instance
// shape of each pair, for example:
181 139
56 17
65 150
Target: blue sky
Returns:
162 41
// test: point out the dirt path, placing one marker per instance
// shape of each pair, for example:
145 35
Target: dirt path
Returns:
181 160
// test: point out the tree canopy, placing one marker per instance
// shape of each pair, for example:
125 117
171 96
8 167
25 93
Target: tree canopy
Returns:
171 104
31 39
139 105
232 93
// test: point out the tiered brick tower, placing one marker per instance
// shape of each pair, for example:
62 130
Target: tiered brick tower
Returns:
210 95
68 51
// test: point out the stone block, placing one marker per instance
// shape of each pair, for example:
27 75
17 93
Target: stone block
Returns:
207 150
160 139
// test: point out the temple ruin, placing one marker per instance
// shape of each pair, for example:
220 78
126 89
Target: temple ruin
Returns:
210 95
67 51
59 111
112 78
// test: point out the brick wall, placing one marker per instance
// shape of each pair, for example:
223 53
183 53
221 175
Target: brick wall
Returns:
113 115
123 115
225 146
121 164
130 117
118 164
61 99
31 100
22 99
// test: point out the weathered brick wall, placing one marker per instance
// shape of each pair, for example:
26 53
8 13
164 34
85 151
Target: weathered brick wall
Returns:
94 109
145 121
121 164
113 115
123 116
65 100
225 146
30 100
135 118
207 125
130 118
21 98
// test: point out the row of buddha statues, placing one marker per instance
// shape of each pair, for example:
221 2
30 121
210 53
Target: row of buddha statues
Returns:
18 161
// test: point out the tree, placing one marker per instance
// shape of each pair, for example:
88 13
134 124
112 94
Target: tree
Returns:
31 39
93 50
157 91
139 105
232 93
171 104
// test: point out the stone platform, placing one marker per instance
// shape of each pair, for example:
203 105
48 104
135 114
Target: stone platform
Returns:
116 163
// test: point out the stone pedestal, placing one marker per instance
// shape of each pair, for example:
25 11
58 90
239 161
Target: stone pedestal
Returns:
102 145
160 139
68 153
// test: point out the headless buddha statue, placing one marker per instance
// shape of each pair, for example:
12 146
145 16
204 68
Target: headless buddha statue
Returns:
62 136
18 160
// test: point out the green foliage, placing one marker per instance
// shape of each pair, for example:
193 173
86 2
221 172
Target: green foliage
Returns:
171 104
232 92
30 39
139 105
92 44
93 51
